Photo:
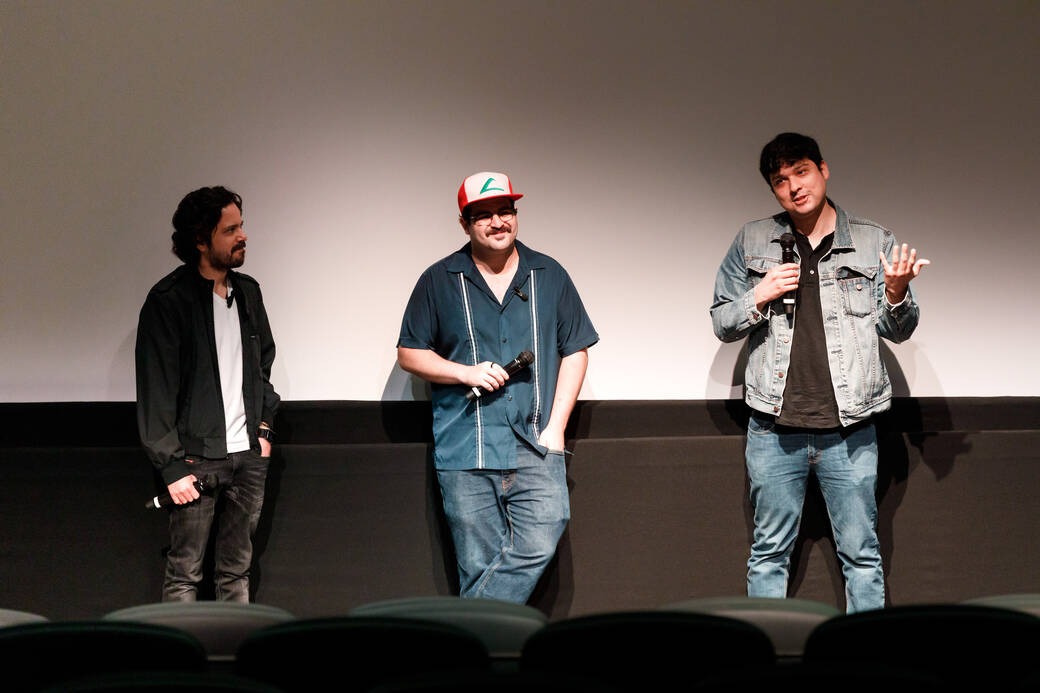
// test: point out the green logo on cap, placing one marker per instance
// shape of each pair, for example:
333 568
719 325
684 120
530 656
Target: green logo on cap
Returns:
487 183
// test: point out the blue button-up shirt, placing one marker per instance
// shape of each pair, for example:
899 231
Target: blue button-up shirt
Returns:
453 312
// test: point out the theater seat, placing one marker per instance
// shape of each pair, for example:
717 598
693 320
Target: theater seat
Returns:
11 617
798 677
966 645
219 626
354 653
503 627
36 655
496 682
1028 602
787 622
163 682
647 650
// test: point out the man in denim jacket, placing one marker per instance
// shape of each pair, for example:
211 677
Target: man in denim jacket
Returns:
814 373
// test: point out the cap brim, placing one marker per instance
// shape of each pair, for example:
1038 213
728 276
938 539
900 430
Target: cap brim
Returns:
513 196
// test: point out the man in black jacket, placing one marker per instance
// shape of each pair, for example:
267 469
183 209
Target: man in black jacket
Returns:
205 403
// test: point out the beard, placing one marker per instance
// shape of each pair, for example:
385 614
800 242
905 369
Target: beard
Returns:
226 261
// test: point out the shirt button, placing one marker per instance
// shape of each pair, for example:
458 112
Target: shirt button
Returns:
812 271
509 397
780 375
786 340
504 340
859 287
776 408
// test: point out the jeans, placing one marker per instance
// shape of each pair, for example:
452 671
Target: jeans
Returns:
241 478
505 523
779 460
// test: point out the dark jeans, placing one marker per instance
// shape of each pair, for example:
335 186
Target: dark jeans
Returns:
241 479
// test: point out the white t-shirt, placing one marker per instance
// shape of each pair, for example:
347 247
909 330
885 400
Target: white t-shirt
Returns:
228 335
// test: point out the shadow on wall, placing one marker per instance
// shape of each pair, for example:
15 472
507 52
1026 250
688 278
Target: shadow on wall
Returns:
726 373
121 371
402 385
446 574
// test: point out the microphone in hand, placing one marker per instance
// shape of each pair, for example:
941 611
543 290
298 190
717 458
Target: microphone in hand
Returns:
207 483
523 360
787 255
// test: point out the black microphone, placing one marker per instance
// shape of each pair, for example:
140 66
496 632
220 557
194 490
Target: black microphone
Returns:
206 483
523 360
787 255
518 292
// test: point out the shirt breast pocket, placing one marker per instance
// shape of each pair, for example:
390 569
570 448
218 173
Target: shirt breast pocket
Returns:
857 289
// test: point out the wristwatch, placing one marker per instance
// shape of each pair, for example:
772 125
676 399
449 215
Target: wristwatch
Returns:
265 433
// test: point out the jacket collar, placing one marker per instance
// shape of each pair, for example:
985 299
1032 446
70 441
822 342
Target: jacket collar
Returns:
202 282
842 234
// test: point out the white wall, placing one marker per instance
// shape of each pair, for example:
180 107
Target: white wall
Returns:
633 128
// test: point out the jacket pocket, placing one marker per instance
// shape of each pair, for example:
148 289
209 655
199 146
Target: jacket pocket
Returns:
757 268
856 285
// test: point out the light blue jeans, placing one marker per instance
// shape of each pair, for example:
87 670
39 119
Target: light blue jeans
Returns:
779 460
506 523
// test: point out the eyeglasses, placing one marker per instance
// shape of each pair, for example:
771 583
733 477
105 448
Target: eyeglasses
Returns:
484 218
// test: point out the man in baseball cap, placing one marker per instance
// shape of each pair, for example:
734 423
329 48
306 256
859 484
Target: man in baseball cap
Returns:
498 431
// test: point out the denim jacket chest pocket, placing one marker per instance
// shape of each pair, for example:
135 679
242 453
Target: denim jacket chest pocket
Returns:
856 288
757 266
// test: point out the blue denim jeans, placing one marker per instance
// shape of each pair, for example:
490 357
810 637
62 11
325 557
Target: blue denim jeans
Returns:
779 460
506 523
241 478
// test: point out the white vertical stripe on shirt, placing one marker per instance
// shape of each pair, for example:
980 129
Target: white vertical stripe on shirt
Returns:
534 340
473 345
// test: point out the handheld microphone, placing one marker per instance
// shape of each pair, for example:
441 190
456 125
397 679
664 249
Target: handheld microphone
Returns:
787 255
523 360
207 483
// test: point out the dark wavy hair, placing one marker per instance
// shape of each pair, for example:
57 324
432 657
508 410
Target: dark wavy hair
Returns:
196 217
784 150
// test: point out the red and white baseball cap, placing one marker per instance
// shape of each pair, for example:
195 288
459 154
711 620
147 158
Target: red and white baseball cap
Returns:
483 186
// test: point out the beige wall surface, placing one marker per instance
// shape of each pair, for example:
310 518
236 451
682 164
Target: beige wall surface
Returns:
632 128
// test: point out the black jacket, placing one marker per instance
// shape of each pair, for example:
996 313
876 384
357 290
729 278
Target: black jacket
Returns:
180 409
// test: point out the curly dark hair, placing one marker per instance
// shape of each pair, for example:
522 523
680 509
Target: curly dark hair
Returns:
196 217
784 150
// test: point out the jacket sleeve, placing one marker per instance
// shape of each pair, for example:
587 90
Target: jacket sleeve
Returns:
157 358
271 400
895 322
733 310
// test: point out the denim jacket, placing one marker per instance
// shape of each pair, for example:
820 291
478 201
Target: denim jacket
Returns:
855 313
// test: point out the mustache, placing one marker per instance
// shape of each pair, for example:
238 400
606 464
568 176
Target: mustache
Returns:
240 246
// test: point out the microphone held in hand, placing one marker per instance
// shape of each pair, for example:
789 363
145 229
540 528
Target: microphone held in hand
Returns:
786 256
207 483
523 360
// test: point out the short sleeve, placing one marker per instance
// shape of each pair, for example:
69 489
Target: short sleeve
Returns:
419 325
574 330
